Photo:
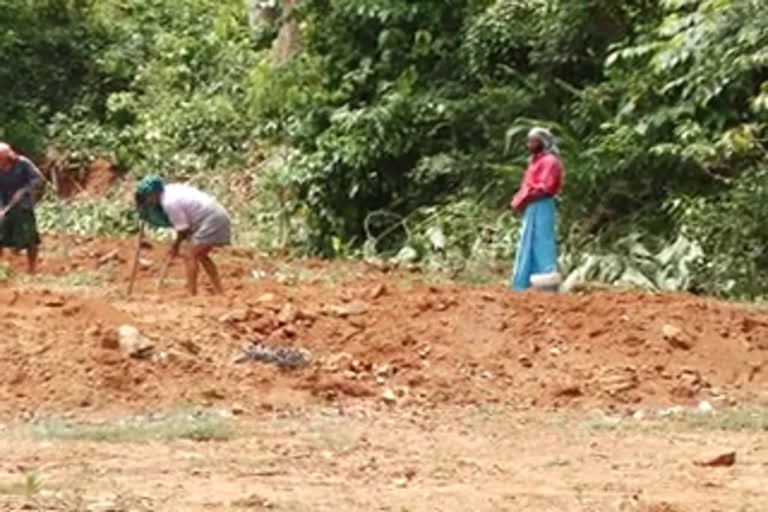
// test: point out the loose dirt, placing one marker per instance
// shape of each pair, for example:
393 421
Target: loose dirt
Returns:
452 459
420 396
384 336
79 179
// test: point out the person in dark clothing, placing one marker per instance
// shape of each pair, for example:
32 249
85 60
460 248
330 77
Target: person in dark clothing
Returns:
18 226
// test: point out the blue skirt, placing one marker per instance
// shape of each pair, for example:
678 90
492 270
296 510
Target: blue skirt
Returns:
537 245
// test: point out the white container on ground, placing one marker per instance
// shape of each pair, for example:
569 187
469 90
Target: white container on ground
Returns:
548 282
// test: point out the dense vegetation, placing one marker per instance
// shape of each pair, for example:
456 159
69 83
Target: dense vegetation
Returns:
393 128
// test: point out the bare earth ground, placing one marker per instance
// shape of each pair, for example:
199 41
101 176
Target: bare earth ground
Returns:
421 395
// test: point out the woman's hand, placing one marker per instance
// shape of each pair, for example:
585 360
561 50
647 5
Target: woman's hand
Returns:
180 237
517 202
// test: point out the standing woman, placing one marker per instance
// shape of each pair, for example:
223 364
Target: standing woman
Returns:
194 215
537 246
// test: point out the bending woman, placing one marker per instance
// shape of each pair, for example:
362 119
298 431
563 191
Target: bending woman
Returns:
537 246
194 215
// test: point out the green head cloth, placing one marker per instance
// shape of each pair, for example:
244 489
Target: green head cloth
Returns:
151 213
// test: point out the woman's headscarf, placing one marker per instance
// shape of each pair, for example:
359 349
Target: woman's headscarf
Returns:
151 213
546 138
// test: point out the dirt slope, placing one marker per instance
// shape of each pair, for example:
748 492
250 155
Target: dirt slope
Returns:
373 336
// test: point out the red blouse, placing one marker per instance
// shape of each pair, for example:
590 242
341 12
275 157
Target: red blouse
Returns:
543 178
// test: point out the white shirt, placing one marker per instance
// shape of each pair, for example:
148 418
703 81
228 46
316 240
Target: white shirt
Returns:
185 206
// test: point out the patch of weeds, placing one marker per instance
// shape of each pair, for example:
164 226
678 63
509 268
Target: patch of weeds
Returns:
6 272
334 439
422 277
480 275
30 486
299 272
603 422
729 419
335 434
197 461
195 426
558 461
76 499
484 413
559 421
78 279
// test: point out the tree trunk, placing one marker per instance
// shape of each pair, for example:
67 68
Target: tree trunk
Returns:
287 43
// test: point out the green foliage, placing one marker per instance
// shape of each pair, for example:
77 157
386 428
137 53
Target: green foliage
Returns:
36 38
377 106
179 71
385 134
106 216
6 272
732 228
632 263
459 237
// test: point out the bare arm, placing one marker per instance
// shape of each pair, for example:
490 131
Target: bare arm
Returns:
180 237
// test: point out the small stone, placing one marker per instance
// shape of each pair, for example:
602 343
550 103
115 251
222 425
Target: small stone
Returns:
214 394
191 347
110 341
389 397
400 482
384 370
568 390
615 381
55 302
128 336
253 502
353 309
378 291
288 315
103 506
359 366
234 317
336 362
110 256
145 264
132 343
525 361
676 337
267 297
705 407
264 325
723 460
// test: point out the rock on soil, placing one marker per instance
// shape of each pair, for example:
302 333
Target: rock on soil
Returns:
722 460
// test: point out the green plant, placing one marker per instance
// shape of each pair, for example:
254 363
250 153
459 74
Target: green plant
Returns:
6 272
107 216
632 263
192 425
30 486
